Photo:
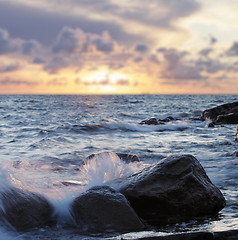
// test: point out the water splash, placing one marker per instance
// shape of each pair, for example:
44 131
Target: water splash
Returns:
106 166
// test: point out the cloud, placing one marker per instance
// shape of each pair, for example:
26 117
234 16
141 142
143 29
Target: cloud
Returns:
6 44
28 46
205 52
233 50
8 81
177 67
138 59
123 82
28 19
103 46
57 81
9 68
77 81
55 64
38 60
141 48
213 40
66 42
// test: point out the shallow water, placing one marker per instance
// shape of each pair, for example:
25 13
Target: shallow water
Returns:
44 140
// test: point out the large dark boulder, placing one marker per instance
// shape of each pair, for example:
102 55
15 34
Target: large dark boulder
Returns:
25 210
224 109
102 209
174 189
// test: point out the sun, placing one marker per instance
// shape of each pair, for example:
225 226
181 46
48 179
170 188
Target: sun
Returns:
105 82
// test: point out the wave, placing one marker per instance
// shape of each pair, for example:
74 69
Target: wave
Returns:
130 127
96 170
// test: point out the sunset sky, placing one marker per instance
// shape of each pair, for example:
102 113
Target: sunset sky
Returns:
118 47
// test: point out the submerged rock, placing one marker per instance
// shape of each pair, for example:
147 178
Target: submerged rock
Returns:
224 109
172 190
102 209
25 210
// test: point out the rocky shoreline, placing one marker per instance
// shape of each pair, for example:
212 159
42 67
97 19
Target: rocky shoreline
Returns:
172 190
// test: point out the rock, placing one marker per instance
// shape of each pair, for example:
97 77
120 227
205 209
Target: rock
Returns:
150 121
211 124
154 121
231 118
127 158
172 190
183 236
25 210
226 235
236 133
224 109
102 209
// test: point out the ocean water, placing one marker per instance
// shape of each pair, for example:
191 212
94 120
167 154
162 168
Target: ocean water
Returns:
45 139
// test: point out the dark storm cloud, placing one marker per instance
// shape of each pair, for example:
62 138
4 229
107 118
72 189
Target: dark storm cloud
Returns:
44 26
66 42
233 50
6 43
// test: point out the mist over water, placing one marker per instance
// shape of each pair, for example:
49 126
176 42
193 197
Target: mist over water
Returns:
45 141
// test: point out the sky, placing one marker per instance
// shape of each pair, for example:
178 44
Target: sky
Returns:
118 47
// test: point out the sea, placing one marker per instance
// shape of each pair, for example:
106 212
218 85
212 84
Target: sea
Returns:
46 138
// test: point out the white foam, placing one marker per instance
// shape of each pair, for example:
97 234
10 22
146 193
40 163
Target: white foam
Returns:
104 167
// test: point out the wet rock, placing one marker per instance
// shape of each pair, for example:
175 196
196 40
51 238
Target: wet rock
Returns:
102 209
224 109
172 190
226 235
150 121
154 121
25 210
211 124
184 236
127 158
231 118
236 133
